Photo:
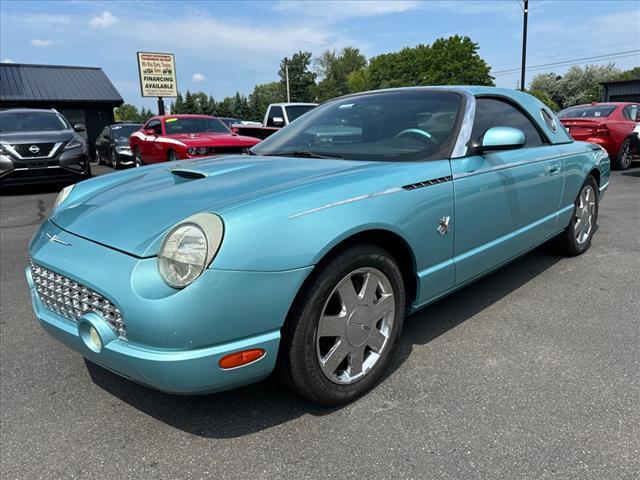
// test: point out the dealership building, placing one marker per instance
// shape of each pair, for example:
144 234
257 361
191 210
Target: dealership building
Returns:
621 91
82 94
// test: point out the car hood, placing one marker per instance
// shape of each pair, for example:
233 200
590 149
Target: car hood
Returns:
36 136
131 210
213 139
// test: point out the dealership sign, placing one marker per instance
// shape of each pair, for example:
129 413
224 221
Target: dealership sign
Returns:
157 74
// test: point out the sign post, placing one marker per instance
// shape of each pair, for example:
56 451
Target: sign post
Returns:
157 76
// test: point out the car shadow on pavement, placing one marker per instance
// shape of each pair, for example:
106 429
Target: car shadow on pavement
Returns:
267 404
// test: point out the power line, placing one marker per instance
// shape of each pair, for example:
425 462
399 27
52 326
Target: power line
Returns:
564 62
571 64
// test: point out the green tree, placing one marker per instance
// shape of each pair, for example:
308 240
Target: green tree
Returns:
302 80
190 105
578 85
145 114
453 60
358 81
632 74
178 105
334 68
544 98
126 113
263 95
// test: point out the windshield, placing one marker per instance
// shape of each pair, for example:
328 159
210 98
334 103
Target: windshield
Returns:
390 126
294 111
124 131
177 125
31 121
229 121
591 111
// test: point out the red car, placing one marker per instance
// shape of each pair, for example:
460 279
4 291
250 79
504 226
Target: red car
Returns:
177 137
610 125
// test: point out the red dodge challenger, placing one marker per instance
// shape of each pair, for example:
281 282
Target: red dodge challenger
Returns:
177 137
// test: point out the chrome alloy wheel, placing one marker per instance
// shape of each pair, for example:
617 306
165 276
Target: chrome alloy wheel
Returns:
625 154
584 214
355 325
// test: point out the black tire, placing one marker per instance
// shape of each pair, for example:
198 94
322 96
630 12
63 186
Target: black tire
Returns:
623 160
298 363
568 240
137 158
113 161
172 156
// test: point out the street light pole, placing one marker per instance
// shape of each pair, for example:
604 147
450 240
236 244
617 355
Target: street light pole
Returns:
286 74
524 43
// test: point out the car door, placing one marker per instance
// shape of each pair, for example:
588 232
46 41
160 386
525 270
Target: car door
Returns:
505 201
102 143
151 148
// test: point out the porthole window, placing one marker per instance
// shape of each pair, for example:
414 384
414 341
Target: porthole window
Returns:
549 120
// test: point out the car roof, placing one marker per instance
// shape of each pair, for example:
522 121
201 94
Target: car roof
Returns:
26 110
289 104
598 104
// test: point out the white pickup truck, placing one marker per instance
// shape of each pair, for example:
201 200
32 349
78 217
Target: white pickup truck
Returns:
277 116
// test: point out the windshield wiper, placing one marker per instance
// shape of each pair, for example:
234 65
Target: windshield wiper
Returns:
304 154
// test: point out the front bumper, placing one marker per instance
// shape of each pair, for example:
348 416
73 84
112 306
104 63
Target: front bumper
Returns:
35 171
175 337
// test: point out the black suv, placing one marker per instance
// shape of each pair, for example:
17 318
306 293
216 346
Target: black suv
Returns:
38 146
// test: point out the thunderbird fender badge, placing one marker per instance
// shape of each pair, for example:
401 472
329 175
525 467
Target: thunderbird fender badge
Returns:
55 239
443 225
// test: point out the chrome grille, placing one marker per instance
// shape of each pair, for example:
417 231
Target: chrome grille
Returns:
72 299
39 149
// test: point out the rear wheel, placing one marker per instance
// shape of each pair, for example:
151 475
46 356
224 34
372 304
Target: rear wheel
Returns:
624 158
576 239
339 337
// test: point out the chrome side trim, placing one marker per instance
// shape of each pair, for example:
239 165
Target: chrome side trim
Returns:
604 187
349 200
508 165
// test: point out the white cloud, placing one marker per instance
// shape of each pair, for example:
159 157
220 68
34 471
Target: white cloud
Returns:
47 19
7 60
340 10
104 20
198 77
36 42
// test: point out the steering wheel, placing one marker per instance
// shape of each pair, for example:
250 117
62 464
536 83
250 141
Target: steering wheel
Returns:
417 134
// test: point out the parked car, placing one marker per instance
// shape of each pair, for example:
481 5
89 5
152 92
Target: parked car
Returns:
112 145
608 124
306 255
277 116
39 146
178 137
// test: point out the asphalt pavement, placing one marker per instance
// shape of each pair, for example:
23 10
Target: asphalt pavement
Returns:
531 372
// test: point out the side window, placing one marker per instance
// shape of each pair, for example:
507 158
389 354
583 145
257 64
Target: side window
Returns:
274 112
630 112
156 125
491 112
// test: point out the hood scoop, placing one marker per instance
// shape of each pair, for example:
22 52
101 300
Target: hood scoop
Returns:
188 173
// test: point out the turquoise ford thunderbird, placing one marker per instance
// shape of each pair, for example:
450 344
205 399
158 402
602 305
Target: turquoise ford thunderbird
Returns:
305 255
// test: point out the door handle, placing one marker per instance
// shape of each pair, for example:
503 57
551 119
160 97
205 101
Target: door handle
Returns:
553 168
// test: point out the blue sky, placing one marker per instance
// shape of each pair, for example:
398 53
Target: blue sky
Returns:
222 47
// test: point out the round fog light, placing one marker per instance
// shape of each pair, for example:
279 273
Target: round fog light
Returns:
94 338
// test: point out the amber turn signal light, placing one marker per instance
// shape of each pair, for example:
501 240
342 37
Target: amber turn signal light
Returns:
239 359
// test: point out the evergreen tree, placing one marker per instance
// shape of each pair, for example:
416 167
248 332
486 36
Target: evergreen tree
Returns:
302 80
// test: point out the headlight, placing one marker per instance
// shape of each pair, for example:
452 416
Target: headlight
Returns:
202 150
123 148
192 150
75 142
64 193
189 248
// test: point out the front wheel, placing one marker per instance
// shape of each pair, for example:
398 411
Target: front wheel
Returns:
172 156
137 158
576 239
115 164
342 329
624 158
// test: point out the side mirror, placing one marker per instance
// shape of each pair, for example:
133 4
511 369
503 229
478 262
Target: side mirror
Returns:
150 131
278 121
502 138
234 130
79 127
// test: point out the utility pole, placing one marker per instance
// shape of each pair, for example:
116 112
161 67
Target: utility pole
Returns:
524 43
286 76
